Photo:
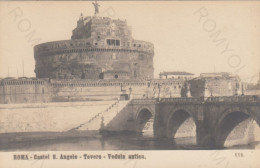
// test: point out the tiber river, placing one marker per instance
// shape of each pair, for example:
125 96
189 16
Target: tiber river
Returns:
145 141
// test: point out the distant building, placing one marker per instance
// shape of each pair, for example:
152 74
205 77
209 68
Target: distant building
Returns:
219 74
215 84
176 75
253 88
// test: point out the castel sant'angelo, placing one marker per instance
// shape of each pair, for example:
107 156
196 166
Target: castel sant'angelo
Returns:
100 48
102 61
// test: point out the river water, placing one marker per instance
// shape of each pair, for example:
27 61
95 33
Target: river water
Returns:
115 142
185 139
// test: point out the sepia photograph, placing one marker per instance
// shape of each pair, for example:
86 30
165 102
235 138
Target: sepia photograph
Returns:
129 83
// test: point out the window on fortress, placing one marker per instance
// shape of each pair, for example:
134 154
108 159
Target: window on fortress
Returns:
113 42
117 43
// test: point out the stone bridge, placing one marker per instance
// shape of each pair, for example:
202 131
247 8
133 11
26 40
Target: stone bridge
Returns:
214 117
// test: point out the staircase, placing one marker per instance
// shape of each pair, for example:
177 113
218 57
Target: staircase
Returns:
101 120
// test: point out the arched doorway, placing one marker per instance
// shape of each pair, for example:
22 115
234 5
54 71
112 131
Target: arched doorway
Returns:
144 123
235 129
181 127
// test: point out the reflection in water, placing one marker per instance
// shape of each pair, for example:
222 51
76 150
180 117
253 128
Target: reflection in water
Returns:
185 139
112 142
243 134
186 134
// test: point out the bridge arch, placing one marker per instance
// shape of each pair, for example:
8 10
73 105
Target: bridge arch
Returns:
229 119
175 119
144 114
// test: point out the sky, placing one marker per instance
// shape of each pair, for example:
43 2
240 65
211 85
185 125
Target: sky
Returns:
195 37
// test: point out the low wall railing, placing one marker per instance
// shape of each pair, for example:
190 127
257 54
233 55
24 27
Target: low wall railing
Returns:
181 99
251 98
144 101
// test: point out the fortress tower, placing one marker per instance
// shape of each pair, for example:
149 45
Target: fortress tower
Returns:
100 48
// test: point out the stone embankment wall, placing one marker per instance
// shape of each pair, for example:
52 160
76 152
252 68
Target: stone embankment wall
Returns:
48 117
24 90
117 117
63 117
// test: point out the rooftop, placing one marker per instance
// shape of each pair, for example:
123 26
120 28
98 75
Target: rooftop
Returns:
216 74
115 71
176 73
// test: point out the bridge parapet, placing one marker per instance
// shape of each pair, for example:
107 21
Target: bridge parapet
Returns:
237 99
143 101
182 100
227 99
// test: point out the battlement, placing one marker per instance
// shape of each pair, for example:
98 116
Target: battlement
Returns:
118 82
97 83
22 81
74 46
90 82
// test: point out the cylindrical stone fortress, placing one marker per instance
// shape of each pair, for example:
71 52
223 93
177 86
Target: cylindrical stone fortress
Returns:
99 48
